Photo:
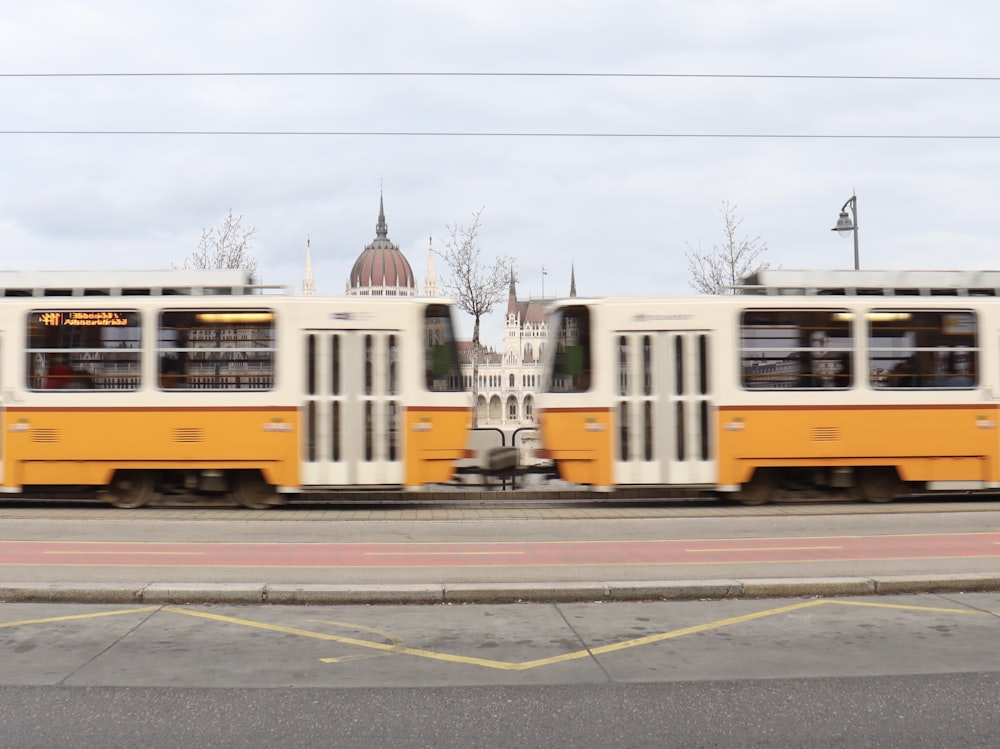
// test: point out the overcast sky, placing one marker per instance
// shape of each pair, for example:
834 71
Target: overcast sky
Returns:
617 175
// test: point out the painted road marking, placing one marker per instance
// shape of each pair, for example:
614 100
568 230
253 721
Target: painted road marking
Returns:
605 553
759 548
72 617
128 553
442 553
394 645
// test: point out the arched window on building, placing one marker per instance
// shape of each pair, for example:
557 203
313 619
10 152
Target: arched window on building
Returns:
529 408
495 414
512 408
511 380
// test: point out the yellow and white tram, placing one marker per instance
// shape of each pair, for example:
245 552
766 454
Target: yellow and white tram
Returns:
873 384
179 381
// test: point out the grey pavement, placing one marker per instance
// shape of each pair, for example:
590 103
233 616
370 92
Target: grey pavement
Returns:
490 521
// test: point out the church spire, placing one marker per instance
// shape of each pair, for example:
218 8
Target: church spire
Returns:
431 281
512 296
572 280
308 282
381 230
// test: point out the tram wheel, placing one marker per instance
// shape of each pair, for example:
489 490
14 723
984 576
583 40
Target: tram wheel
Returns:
759 490
131 489
251 491
880 484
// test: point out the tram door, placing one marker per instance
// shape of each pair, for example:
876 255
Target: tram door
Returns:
351 410
664 408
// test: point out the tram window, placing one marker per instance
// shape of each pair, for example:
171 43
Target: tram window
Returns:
369 363
569 369
369 433
393 360
623 430
216 349
310 431
647 430
923 348
679 365
311 365
703 365
622 365
335 365
87 349
392 430
441 372
647 365
803 348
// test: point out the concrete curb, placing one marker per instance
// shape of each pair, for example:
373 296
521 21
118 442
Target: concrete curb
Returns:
470 593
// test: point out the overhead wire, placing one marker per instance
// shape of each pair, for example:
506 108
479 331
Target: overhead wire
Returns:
505 134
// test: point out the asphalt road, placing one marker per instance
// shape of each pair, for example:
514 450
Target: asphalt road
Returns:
894 671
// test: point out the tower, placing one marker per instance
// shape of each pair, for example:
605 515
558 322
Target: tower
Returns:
308 282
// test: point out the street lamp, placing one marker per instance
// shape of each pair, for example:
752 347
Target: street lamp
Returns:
847 223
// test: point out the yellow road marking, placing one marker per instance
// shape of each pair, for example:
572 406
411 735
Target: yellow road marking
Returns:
93 615
396 646
396 641
908 607
398 649
131 553
441 553
767 548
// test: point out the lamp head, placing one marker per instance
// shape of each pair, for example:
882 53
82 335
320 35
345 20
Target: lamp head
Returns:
844 224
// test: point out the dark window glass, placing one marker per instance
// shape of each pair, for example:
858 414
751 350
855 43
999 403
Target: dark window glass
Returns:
570 367
441 372
789 348
217 349
923 348
91 349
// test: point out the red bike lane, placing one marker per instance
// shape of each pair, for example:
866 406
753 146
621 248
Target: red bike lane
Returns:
674 552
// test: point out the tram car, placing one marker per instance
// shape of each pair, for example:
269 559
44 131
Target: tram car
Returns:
139 383
857 384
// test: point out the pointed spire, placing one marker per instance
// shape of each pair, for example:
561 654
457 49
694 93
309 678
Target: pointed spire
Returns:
430 282
512 297
572 280
381 230
308 282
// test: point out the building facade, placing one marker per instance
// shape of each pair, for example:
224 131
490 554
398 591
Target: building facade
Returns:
509 376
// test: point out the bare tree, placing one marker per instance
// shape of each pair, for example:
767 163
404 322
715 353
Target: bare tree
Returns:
474 285
728 264
225 246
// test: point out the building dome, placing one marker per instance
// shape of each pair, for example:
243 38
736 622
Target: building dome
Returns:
381 269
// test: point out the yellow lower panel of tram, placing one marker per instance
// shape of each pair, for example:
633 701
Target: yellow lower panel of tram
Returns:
925 443
86 446
435 439
579 440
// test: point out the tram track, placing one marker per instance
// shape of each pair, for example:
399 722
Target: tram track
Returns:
459 505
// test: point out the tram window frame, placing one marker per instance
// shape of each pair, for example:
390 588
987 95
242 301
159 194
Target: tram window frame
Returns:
569 365
441 370
93 349
774 344
922 349
216 340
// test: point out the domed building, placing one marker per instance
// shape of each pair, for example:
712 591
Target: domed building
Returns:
381 269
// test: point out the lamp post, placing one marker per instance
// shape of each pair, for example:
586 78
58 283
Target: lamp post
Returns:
847 223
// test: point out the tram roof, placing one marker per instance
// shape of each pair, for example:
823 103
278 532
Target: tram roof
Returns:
842 282
159 282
